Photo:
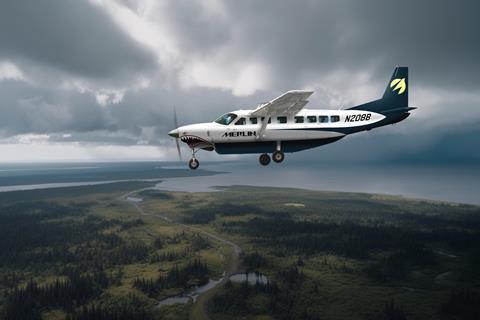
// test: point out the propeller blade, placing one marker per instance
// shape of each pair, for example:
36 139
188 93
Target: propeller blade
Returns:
176 126
178 150
175 121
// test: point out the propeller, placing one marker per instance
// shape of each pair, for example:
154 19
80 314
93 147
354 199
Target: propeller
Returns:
176 138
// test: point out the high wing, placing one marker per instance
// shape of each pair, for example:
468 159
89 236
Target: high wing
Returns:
289 103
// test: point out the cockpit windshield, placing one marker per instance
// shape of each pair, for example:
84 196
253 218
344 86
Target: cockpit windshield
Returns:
226 119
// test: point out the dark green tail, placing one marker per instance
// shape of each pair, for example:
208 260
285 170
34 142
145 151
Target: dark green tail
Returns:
396 93
395 97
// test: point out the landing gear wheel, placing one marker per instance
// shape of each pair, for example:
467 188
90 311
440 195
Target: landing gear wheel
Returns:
193 163
278 156
264 159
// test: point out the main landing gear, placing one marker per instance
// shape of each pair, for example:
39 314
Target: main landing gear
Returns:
264 159
277 156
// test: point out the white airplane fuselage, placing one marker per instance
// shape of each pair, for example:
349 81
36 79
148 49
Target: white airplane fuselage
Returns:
304 127
283 125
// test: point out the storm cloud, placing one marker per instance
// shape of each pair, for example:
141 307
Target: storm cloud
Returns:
70 36
106 72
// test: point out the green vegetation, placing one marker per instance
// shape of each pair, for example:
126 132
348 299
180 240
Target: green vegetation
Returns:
244 300
327 255
193 273
127 307
343 255
81 258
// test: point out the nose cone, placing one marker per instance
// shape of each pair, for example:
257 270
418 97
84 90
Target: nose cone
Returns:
173 133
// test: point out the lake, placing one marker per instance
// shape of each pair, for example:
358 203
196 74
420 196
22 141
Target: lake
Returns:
444 183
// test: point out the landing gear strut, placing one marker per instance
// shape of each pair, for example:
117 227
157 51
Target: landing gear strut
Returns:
193 163
264 159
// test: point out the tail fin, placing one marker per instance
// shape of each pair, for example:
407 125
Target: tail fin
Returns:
396 93
395 97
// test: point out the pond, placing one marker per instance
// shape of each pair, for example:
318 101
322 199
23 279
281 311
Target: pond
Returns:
192 294
252 278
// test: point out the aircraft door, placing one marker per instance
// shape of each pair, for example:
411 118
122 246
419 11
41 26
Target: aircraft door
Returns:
241 131
227 135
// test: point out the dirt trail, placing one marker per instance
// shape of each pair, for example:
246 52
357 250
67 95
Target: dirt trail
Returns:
199 308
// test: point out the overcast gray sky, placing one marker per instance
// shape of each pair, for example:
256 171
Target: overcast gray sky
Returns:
97 79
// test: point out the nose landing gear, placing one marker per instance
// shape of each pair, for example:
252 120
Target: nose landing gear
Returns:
193 163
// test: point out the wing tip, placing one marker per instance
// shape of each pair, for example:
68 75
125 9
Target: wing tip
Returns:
300 91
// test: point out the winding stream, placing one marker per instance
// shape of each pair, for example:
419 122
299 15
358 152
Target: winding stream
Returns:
196 293
191 295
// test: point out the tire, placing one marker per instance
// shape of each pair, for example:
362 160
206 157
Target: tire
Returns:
278 156
193 164
264 159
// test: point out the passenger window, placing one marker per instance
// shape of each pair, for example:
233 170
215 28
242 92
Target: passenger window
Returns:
322 119
334 118
282 119
312 119
253 120
240 122
269 119
299 119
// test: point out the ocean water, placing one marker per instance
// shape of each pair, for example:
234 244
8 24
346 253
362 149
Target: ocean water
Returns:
446 183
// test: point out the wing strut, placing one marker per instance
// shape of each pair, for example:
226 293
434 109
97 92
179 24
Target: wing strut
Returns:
263 127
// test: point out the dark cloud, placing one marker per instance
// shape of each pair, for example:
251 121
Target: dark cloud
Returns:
304 40
388 146
301 43
195 28
144 114
435 38
72 36
29 109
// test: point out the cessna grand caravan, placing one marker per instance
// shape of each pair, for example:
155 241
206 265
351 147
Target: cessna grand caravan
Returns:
282 125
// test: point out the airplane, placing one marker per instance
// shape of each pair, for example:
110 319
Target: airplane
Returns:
282 125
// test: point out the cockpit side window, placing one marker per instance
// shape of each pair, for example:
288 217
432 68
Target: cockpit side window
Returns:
240 122
226 119
253 120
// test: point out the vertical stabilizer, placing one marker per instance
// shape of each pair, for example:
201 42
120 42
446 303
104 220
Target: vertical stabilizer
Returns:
395 97
396 93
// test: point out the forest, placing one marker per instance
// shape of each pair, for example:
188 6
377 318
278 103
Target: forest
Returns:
193 273
324 255
311 252
83 255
